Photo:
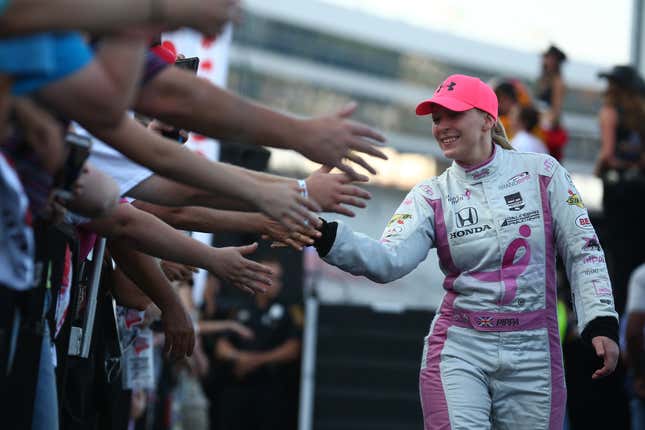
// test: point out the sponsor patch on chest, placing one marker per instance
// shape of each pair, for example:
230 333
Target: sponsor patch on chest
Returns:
467 221
515 180
514 202
521 218
454 199
469 231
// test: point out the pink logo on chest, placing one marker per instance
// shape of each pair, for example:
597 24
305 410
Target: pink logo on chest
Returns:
511 270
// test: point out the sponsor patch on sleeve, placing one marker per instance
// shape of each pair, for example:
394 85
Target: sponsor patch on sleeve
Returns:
574 199
398 219
584 222
591 244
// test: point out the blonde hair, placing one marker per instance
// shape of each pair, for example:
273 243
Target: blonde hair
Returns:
499 136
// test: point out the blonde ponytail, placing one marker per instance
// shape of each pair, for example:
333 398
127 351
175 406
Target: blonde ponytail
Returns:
499 136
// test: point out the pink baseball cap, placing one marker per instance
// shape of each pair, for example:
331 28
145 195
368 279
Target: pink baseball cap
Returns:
461 93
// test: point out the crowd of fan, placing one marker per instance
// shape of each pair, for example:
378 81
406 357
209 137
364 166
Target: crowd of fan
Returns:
85 89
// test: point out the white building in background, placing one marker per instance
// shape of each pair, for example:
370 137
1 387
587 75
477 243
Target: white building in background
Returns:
311 57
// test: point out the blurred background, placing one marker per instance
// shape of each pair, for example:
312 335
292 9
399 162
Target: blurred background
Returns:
360 342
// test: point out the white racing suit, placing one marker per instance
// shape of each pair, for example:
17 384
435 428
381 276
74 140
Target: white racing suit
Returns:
493 356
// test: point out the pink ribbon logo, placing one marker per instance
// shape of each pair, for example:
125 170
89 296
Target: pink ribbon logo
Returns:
511 270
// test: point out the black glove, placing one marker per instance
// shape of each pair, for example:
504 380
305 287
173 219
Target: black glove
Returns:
324 243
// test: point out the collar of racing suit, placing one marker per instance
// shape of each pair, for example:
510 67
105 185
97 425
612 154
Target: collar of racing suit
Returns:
485 171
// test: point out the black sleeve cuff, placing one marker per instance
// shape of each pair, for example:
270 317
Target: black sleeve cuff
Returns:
601 326
324 243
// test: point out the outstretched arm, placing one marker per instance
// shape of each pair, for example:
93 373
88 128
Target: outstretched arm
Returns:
148 234
280 201
100 16
407 238
330 190
193 218
185 101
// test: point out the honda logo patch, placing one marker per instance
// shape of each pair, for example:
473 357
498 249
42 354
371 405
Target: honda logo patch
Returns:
466 217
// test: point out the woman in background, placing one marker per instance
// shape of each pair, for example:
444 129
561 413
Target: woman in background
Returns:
620 166
550 92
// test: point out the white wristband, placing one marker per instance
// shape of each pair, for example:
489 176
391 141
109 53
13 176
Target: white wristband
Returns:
302 185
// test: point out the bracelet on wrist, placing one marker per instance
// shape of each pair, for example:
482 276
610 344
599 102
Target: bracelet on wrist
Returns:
302 186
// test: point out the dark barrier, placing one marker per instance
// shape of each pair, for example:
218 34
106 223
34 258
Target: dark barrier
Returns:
367 368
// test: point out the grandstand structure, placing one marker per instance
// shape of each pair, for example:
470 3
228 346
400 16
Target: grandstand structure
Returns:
310 56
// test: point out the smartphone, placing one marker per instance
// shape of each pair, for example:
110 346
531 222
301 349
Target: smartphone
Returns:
191 64
79 151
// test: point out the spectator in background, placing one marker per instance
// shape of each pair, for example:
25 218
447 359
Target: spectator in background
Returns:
254 398
508 106
635 353
620 165
524 140
550 92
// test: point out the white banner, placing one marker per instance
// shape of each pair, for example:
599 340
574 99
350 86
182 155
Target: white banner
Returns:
213 56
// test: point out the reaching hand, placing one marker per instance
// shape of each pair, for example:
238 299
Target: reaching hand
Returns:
206 16
330 139
283 203
608 351
331 190
177 272
230 265
179 331
297 239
